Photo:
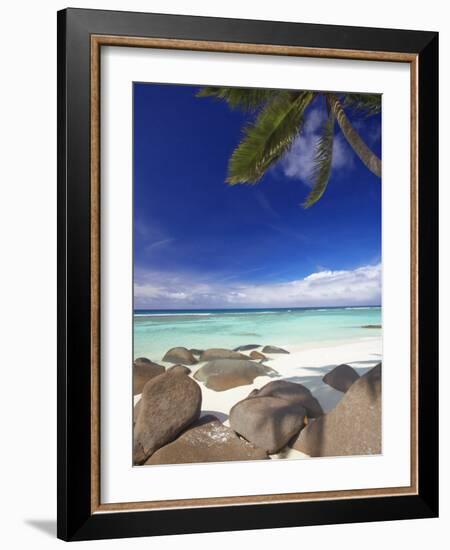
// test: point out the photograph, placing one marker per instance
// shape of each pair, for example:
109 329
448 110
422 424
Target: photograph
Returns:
257 274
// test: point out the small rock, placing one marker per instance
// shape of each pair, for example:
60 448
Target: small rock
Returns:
207 440
371 326
169 404
247 347
273 349
293 393
142 362
341 377
219 353
180 355
143 371
223 374
353 427
267 422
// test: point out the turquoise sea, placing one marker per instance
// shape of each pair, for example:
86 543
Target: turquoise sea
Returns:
156 331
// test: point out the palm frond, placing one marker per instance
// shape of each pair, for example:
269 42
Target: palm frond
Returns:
246 99
322 162
368 104
268 137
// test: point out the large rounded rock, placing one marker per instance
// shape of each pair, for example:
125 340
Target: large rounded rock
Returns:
143 371
136 410
273 349
353 427
223 374
267 422
180 355
220 353
291 392
341 377
169 403
207 440
196 351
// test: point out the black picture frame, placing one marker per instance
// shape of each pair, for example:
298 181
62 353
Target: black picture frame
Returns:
75 518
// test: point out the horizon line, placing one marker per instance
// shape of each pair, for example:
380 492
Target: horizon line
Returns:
256 308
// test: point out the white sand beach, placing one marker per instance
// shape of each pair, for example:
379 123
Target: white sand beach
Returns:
305 364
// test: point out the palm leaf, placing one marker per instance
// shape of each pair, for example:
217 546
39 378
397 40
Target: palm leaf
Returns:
268 137
368 104
322 162
247 99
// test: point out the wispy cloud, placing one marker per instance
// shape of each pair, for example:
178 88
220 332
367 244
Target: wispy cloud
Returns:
151 235
264 203
323 288
372 131
374 135
298 163
147 230
162 243
288 232
240 274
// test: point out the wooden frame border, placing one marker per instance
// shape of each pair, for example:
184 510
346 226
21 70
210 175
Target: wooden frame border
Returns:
81 34
97 41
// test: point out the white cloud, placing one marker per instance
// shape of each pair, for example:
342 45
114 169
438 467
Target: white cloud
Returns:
298 162
324 288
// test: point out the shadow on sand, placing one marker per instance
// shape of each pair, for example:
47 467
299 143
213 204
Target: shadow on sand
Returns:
220 415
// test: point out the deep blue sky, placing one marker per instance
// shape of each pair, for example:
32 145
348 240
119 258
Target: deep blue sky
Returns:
199 241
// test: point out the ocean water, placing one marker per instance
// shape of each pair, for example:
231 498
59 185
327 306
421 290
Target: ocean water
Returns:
156 331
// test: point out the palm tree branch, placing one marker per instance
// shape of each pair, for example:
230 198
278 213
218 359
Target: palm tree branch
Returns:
322 162
246 99
369 158
268 137
368 104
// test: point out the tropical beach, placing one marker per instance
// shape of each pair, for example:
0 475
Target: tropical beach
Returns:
304 365
257 316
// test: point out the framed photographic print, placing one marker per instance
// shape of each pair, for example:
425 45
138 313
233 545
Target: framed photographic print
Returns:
247 274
